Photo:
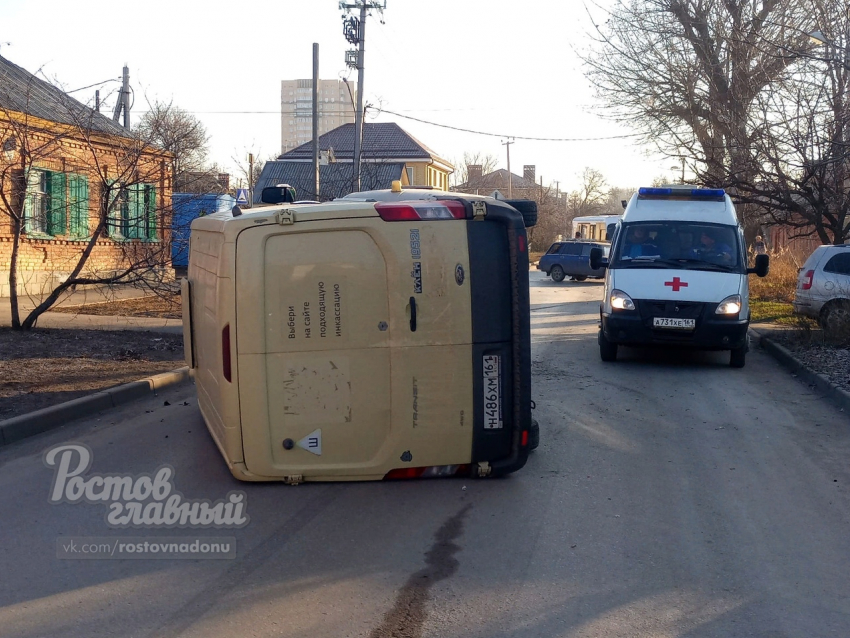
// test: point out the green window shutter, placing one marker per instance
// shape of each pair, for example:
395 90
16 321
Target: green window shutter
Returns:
78 187
56 216
150 206
135 212
32 202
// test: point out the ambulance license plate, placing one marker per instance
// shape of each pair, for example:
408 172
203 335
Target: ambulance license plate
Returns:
674 322
492 392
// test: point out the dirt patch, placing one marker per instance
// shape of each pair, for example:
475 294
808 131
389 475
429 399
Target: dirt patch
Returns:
40 368
164 307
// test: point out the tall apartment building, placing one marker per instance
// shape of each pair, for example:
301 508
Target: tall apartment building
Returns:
296 110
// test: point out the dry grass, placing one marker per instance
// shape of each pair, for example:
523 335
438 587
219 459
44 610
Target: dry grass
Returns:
781 281
162 306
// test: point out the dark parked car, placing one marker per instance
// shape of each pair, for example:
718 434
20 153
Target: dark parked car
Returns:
571 258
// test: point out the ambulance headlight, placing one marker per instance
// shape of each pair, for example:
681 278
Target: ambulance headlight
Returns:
621 301
729 306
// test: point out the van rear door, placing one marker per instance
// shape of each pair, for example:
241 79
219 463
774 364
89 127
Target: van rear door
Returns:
354 346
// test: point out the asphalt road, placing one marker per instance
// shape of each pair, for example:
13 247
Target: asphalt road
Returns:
671 496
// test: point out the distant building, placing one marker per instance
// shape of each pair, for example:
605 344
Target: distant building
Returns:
388 153
522 187
336 107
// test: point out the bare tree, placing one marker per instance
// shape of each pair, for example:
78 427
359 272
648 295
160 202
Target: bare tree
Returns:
487 161
687 75
184 136
800 173
99 190
591 195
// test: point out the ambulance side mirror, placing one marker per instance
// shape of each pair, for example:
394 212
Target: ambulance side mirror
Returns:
762 266
597 259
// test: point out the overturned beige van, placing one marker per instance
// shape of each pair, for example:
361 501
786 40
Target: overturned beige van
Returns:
382 335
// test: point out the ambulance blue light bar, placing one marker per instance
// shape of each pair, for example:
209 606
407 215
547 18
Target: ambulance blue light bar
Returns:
695 193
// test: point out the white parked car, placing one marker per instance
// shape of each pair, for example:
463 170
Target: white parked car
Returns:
823 287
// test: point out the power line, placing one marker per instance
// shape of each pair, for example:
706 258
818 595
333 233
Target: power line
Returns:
92 85
517 137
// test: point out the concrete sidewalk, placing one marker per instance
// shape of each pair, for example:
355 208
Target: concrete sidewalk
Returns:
90 322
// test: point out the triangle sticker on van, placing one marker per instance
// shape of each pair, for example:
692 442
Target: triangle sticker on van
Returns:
312 442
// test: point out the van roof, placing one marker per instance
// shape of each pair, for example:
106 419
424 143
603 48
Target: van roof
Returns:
681 203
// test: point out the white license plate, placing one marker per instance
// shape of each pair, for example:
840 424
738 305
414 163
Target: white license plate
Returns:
492 392
674 322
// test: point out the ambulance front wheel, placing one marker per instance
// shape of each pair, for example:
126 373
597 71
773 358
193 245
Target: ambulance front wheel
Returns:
607 350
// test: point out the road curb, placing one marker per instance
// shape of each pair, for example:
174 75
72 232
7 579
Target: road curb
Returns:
32 423
820 382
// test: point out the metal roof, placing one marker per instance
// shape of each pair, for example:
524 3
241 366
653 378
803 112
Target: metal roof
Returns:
497 179
23 92
334 179
381 140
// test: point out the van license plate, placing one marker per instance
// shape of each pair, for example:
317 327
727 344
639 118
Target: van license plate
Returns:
492 392
674 322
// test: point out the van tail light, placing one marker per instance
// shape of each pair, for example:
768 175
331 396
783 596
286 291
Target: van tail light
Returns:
524 441
807 280
225 352
426 472
521 242
420 210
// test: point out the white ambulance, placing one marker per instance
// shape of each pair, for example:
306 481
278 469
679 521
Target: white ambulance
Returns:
382 335
677 274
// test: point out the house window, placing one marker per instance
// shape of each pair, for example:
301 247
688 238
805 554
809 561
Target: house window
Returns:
44 206
409 170
134 213
78 205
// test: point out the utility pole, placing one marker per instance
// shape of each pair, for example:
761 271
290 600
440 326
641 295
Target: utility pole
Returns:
510 176
97 100
316 118
354 30
123 103
250 180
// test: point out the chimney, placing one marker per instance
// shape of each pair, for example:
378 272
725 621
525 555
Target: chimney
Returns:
473 172
529 172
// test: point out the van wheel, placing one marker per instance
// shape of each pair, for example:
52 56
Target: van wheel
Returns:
557 273
738 357
534 435
607 349
579 277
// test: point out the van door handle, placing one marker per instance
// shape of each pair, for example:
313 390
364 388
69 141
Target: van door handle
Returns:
413 314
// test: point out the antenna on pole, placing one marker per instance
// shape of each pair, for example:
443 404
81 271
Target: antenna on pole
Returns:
354 30
507 144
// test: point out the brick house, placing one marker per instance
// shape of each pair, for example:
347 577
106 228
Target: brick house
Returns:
74 174
524 187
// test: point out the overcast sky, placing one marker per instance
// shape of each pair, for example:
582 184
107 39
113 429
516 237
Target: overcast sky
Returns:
496 66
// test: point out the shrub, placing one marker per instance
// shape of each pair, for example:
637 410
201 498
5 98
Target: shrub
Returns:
781 281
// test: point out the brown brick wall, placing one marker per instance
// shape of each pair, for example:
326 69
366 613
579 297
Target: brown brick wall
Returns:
42 263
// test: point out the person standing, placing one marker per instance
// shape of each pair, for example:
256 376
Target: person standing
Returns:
759 246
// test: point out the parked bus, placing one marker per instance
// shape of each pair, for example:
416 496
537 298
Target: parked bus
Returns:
598 227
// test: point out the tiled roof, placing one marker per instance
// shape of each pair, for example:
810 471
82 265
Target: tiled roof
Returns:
497 179
381 140
334 179
23 92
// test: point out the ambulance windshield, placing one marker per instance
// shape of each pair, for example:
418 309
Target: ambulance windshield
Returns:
680 244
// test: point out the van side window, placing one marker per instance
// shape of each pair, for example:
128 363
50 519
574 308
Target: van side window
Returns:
553 249
839 264
571 249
